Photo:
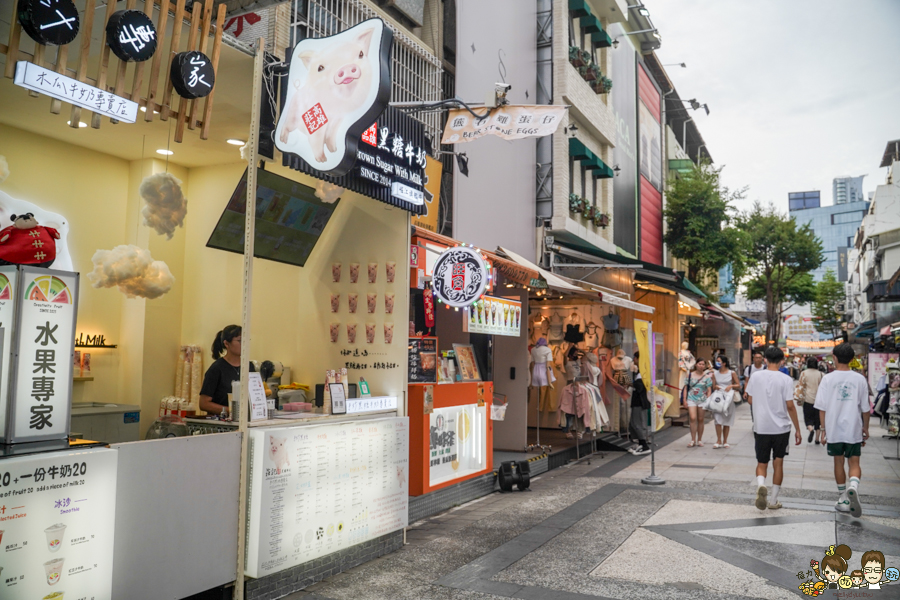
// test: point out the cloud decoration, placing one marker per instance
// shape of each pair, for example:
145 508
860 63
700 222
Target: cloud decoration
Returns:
328 192
4 169
166 205
132 270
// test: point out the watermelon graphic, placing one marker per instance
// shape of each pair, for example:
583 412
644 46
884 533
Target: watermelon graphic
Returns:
37 294
48 288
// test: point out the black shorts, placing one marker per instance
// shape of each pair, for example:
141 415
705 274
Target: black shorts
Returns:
769 446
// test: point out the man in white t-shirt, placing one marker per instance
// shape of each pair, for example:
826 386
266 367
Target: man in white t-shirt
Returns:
843 404
771 395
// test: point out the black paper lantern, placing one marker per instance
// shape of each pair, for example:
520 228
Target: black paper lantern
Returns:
49 22
131 35
192 74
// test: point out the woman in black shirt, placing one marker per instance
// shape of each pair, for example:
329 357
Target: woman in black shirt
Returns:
225 370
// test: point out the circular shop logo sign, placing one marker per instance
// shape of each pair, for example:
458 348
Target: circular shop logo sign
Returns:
131 35
49 22
459 276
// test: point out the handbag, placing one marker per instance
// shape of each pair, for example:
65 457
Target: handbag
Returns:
720 402
685 390
800 392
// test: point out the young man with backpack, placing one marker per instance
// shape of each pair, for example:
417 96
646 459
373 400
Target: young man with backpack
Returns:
771 394
843 405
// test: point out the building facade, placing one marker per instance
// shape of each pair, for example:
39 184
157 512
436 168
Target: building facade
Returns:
835 225
846 190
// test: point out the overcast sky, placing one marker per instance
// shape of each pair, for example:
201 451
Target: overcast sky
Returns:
799 91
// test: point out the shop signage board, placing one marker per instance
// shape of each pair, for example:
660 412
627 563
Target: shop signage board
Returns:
423 360
51 83
429 220
49 22
193 75
460 276
318 489
494 316
8 283
43 344
508 122
336 87
58 525
877 366
131 35
358 406
458 442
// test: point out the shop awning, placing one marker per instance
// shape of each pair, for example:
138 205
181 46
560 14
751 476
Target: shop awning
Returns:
866 329
685 300
615 300
883 291
554 281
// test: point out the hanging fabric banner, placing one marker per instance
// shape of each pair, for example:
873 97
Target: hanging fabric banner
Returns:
508 122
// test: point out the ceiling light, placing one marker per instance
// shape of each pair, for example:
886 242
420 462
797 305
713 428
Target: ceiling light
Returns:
144 109
644 12
235 142
165 152
80 124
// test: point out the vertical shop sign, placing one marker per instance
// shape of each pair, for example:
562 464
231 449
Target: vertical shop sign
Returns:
43 345
624 104
57 522
429 220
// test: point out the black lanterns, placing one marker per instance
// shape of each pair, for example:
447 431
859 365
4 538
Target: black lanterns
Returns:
131 35
49 22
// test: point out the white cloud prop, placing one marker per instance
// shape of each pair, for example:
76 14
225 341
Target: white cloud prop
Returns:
4 169
328 192
166 205
133 270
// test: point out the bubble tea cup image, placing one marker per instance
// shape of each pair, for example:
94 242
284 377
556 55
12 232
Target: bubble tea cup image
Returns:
373 272
371 302
389 304
351 333
391 267
354 272
334 331
370 333
53 569
352 300
55 535
336 272
335 302
388 333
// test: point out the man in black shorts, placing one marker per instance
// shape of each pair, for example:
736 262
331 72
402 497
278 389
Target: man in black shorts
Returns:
771 394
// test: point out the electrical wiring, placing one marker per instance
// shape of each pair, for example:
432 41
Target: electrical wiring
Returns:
442 104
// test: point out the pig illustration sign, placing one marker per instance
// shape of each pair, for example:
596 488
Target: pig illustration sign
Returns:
337 86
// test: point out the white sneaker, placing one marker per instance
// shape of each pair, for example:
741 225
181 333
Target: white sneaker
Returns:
762 493
640 452
853 497
842 505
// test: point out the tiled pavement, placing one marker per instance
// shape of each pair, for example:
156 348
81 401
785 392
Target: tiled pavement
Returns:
593 531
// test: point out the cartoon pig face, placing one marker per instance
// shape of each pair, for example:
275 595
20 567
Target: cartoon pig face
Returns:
341 65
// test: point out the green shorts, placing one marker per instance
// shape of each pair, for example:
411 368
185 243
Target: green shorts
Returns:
843 449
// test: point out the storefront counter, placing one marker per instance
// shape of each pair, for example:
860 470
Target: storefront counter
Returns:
451 439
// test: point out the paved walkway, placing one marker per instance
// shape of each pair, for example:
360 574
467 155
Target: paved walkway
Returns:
593 531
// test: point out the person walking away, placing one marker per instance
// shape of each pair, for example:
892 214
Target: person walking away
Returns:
749 370
809 383
640 407
727 382
697 389
771 393
843 404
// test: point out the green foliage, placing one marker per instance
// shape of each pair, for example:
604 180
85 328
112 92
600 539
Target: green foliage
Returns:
699 212
829 293
778 257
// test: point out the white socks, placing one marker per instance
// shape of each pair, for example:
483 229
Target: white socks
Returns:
854 483
775 490
842 488
760 480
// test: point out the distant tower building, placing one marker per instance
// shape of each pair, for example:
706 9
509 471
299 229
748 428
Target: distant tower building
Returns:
834 225
848 189
804 200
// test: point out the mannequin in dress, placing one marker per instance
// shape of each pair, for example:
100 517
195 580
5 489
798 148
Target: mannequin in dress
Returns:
686 363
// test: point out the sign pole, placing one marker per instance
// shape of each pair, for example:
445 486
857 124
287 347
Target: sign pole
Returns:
249 238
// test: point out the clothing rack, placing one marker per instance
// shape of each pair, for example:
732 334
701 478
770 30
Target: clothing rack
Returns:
581 379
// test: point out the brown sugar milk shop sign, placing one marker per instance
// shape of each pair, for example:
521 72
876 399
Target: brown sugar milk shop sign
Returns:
43 342
335 123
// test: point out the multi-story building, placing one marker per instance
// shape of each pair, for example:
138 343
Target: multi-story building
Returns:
874 284
848 189
803 200
835 225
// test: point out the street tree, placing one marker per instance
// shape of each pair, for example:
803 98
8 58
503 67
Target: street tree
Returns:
699 213
829 294
778 258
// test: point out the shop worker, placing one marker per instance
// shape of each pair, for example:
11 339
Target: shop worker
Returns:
224 370
771 395
843 404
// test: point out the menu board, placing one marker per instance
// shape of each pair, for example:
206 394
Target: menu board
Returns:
317 489
57 520
494 316
423 360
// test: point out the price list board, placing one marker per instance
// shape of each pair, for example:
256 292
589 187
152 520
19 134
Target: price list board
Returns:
317 489
57 522
423 360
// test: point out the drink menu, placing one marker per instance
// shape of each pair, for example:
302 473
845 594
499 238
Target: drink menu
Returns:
423 360
317 489
57 520
494 316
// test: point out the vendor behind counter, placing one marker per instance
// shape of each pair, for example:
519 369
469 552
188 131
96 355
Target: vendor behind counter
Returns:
226 369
